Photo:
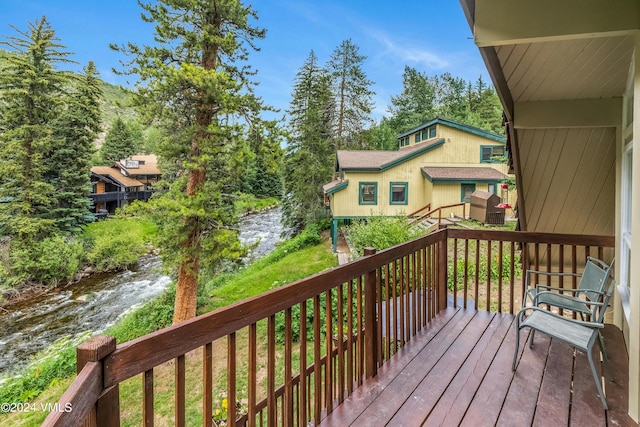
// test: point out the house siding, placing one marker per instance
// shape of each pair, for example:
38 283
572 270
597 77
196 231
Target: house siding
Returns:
460 149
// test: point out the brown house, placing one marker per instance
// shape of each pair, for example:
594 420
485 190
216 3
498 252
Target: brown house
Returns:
126 180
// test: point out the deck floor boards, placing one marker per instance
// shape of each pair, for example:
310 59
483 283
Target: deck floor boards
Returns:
457 371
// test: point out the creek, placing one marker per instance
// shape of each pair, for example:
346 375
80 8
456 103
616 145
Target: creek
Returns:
97 302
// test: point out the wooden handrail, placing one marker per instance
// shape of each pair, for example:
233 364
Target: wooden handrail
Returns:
80 398
409 282
439 210
426 207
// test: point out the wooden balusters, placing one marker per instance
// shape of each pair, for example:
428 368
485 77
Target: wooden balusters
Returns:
147 398
180 378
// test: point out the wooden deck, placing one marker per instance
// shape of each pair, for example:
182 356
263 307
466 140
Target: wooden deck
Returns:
458 372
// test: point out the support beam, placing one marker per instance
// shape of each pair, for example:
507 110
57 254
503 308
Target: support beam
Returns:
505 22
578 113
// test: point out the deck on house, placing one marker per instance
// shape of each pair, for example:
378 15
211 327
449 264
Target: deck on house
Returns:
458 372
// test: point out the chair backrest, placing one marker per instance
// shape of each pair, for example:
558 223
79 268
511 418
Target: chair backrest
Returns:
595 277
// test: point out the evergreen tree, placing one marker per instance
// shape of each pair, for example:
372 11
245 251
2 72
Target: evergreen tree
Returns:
196 84
451 100
310 156
425 97
31 90
70 158
262 174
417 102
118 143
352 96
381 136
485 109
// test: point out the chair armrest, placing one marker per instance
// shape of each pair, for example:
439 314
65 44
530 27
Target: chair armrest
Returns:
522 313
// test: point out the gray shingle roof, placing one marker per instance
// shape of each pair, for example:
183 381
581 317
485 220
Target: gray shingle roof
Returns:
375 159
462 173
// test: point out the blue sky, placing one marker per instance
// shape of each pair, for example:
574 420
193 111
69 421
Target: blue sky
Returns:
431 36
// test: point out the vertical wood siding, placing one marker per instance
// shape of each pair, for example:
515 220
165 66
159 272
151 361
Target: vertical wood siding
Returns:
568 178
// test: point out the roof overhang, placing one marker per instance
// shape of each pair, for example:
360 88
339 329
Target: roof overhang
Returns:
335 186
560 68
461 174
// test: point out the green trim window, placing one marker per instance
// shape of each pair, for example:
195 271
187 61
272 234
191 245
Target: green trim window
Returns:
432 131
399 193
368 193
416 137
404 141
465 191
488 152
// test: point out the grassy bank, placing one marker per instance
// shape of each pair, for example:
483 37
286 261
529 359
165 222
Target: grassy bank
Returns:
294 259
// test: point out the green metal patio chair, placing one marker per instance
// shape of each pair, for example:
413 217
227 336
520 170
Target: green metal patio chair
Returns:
593 282
579 334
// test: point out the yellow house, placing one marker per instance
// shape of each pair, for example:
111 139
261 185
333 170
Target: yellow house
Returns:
438 163
568 75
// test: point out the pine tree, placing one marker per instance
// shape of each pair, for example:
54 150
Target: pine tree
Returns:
310 155
70 158
417 102
31 92
451 101
352 94
262 174
195 83
118 143
425 97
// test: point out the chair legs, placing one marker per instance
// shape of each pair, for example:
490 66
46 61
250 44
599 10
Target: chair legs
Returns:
596 377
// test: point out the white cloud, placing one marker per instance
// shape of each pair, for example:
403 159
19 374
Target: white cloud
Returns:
408 54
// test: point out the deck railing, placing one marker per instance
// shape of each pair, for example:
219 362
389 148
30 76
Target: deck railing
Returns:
291 355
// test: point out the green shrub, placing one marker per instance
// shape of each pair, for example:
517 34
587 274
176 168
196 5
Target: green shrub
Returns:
50 261
380 232
117 243
483 271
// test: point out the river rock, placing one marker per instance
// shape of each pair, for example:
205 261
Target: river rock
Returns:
85 298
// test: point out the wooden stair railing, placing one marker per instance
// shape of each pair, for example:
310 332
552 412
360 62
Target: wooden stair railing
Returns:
439 210
426 207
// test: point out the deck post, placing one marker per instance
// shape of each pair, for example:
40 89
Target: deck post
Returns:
442 272
106 412
370 320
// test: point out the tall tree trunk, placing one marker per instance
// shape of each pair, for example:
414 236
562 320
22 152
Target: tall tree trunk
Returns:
187 286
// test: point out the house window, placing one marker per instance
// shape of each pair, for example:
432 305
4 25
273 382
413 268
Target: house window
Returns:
425 134
432 131
417 137
488 152
368 193
399 193
465 192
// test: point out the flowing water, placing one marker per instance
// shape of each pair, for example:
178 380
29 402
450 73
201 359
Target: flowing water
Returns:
263 227
97 302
